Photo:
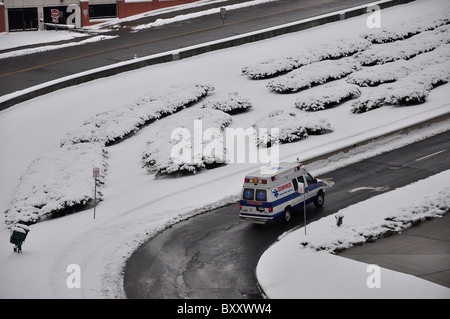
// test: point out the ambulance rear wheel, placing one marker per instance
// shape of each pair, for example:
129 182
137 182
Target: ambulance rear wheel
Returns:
286 216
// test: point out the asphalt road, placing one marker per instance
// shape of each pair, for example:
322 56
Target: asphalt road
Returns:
25 71
215 255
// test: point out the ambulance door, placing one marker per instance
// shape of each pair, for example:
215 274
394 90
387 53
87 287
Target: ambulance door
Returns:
308 185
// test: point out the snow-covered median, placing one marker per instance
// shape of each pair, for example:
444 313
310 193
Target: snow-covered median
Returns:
327 275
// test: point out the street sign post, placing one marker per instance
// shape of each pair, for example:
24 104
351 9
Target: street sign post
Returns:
95 175
223 15
301 190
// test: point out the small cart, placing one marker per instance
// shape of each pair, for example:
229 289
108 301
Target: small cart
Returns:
18 234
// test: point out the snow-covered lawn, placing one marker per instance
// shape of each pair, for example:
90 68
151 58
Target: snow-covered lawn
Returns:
135 205
310 270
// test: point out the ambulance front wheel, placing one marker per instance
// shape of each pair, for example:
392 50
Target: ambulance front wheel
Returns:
320 199
286 216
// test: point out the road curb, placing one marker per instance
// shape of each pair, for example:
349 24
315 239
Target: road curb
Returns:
191 51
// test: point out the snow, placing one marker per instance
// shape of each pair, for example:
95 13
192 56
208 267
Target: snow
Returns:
279 64
321 97
46 48
313 74
135 205
292 126
18 39
311 270
56 181
230 103
158 156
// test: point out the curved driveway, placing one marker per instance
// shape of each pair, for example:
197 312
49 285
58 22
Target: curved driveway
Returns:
215 255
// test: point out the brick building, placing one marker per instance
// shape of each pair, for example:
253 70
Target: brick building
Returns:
25 15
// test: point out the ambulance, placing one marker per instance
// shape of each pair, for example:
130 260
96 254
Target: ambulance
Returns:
275 192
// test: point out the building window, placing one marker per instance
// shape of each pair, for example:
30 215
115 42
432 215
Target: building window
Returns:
20 19
101 11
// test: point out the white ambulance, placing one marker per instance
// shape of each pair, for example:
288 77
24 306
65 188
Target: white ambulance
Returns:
275 192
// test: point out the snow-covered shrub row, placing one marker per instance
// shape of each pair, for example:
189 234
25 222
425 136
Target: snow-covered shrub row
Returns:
173 150
341 238
231 103
334 50
57 181
390 72
411 89
405 49
408 28
292 126
313 74
326 95
115 124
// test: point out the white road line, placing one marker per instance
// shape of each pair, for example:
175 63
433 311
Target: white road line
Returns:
427 156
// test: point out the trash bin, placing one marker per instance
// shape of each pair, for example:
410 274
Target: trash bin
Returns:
339 218
18 234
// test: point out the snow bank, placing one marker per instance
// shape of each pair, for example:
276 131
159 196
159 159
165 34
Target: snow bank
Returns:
46 48
326 95
173 149
337 49
359 225
57 181
113 125
330 276
313 74
405 49
407 29
411 89
293 126
232 103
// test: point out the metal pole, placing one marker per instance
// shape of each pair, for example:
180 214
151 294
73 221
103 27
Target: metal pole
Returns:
304 208
95 195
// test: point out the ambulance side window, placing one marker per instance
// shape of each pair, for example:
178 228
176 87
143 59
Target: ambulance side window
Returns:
301 180
294 181
249 194
309 179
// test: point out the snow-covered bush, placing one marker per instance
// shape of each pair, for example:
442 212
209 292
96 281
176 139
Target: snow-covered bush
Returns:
292 126
405 49
411 89
326 95
113 125
281 64
390 72
408 28
57 181
313 74
174 149
231 103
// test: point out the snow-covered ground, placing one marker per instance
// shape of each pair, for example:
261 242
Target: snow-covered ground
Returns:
311 271
135 205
